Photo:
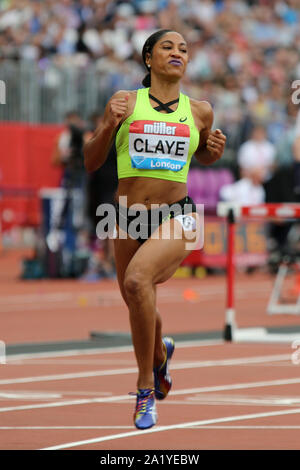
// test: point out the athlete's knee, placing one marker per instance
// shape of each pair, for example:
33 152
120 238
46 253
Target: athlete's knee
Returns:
135 284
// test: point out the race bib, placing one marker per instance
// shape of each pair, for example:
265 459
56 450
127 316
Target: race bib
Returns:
158 145
187 222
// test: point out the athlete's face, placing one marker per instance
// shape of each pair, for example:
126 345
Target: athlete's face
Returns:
169 56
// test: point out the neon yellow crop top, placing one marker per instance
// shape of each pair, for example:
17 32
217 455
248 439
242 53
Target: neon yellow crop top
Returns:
154 144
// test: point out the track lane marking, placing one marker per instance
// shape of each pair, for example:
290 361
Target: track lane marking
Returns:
172 427
132 370
58 428
49 428
246 427
119 398
80 352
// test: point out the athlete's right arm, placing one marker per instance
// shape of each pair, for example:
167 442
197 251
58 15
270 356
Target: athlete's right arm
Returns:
96 149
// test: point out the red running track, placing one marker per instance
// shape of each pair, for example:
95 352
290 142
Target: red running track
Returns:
224 396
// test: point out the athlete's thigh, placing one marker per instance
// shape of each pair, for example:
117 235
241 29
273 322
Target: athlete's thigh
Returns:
124 250
159 257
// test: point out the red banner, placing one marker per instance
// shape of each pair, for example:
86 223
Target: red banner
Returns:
25 167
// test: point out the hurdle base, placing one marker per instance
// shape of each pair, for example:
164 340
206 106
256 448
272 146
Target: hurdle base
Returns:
263 335
228 333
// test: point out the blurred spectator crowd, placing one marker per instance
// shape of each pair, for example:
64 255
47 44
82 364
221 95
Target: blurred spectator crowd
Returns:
244 55
244 59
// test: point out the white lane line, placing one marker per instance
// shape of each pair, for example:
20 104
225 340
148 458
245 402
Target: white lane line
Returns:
187 391
133 370
233 404
82 352
32 394
238 386
49 428
237 400
29 395
172 427
80 401
246 427
70 376
80 362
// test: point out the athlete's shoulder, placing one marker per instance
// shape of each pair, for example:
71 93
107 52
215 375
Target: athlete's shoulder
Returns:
201 107
203 111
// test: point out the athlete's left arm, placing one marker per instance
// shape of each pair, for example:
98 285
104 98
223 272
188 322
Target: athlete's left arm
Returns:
212 143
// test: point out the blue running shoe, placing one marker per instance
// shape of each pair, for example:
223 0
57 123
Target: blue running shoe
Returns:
145 415
162 379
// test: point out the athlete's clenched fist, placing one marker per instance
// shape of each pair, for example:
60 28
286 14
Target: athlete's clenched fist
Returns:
116 109
215 143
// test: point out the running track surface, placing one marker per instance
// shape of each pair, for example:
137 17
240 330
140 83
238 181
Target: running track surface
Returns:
224 395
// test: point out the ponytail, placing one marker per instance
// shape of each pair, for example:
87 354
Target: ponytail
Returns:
147 80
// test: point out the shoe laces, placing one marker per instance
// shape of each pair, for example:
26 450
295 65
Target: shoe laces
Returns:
143 399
